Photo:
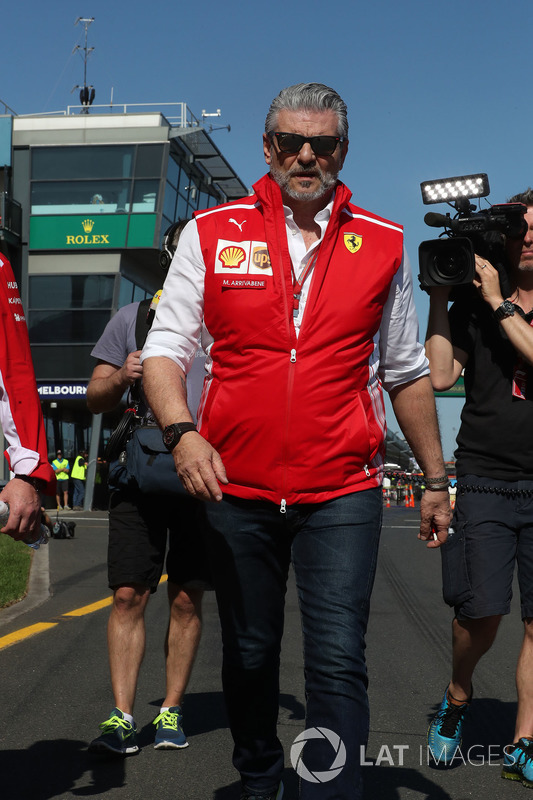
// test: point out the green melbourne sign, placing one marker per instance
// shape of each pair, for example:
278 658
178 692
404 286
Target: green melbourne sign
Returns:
457 390
95 232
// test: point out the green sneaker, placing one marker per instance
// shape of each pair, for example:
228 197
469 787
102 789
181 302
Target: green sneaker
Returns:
169 734
118 737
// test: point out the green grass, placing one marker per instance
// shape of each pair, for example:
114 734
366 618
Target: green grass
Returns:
14 570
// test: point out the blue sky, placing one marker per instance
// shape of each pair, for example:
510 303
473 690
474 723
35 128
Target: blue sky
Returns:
433 89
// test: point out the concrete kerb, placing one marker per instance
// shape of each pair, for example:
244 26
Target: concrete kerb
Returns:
38 586
39 578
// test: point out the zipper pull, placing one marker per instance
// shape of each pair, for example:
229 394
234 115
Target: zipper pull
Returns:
367 471
293 355
283 507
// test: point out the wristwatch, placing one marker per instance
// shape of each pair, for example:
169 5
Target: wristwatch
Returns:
505 309
173 433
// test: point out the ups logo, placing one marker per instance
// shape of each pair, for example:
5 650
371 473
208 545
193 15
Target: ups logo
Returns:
261 258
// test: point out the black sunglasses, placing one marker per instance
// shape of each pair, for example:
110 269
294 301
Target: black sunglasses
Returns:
293 143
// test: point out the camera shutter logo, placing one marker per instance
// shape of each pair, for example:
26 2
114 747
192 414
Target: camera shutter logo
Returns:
297 755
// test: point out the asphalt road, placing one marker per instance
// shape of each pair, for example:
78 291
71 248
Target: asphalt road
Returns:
55 687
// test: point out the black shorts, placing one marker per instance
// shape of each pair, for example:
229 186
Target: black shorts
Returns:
491 531
138 528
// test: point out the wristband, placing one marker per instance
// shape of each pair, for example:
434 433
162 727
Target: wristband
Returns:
38 483
437 484
436 481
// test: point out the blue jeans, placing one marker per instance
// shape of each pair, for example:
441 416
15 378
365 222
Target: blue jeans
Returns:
78 494
333 547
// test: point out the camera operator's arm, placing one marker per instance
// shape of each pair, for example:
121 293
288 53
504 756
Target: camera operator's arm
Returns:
517 330
446 362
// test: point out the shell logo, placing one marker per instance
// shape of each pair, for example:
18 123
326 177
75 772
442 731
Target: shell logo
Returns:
232 257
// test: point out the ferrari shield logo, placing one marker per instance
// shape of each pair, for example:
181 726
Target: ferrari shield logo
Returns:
353 242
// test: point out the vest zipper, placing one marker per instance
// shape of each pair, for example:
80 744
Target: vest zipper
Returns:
283 507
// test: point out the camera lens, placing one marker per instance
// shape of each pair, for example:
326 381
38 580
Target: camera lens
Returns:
449 267
446 262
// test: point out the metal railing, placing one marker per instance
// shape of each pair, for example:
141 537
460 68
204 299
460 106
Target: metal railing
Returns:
10 215
181 118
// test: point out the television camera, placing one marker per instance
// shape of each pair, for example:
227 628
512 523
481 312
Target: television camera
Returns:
449 260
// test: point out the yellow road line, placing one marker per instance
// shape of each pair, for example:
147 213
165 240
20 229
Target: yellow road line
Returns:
80 612
25 633
39 627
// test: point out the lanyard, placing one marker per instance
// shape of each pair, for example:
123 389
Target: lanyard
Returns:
299 282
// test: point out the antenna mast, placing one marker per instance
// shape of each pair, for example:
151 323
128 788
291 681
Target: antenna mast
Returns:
87 93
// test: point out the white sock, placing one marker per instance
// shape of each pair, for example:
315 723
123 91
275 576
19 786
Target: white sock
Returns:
162 710
128 718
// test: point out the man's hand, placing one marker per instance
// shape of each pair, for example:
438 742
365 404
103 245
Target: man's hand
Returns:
199 467
131 369
487 282
24 509
435 517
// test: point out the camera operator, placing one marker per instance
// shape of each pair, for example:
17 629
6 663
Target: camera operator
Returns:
491 337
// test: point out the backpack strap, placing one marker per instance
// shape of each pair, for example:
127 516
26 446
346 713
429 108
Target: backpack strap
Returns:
143 322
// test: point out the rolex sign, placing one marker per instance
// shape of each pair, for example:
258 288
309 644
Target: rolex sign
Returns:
103 231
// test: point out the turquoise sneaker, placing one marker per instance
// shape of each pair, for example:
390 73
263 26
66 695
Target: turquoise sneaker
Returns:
445 732
119 737
518 762
169 734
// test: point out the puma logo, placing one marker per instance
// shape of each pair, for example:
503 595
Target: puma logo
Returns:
238 224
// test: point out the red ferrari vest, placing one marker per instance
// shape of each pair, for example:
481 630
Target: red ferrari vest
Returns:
295 419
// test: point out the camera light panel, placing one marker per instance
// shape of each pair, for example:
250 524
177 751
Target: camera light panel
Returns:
447 190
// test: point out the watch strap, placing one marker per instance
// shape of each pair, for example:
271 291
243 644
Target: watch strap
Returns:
173 433
38 483
505 309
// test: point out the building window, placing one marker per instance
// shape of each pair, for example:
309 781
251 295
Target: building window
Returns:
130 292
83 163
65 292
81 197
96 179
67 314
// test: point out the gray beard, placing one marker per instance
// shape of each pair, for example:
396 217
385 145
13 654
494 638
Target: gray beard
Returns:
525 266
327 183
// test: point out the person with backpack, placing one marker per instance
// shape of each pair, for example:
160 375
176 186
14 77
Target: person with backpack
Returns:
138 528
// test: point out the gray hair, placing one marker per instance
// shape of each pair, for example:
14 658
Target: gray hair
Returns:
311 97
524 197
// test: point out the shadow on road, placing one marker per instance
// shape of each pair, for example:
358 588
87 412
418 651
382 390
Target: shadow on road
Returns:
49 769
385 783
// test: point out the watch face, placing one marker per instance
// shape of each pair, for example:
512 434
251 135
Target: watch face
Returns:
169 436
508 307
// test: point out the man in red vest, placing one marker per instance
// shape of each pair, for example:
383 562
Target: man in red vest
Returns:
304 305
20 417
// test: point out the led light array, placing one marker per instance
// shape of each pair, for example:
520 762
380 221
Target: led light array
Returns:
448 189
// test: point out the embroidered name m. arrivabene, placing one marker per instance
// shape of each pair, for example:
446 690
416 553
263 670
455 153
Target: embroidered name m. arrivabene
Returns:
242 258
243 283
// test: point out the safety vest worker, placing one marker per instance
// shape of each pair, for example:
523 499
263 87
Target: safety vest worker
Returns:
79 470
